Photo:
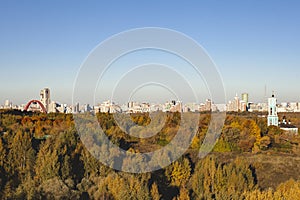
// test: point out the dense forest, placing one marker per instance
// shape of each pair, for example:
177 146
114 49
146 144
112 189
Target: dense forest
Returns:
43 157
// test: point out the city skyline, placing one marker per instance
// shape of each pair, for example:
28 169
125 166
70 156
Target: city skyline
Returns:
252 43
240 103
145 100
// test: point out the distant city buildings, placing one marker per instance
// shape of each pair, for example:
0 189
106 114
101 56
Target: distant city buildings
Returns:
173 106
135 107
107 107
207 106
237 104
7 104
258 107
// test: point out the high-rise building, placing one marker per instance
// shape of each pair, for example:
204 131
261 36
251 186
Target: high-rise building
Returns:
7 104
245 97
176 106
234 105
45 97
208 105
75 108
272 109
243 106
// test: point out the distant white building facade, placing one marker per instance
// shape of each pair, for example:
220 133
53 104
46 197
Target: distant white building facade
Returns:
45 98
287 126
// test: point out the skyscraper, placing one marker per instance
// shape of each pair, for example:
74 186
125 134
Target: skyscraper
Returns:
245 97
45 97
245 102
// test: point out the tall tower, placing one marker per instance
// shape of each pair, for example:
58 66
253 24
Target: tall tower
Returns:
245 97
45 97
208 105
236 103
272 109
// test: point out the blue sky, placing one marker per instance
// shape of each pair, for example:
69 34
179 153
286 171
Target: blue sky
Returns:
253 43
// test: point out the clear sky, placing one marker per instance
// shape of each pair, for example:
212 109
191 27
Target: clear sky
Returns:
253 43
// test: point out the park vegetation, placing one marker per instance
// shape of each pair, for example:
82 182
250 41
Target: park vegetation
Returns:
43 157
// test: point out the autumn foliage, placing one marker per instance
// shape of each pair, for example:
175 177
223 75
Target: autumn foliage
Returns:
42 157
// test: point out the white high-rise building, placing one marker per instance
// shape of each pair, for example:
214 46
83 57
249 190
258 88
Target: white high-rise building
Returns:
7 104
45 98
272 109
